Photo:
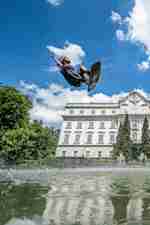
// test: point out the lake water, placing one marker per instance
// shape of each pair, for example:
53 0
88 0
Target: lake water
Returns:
75 197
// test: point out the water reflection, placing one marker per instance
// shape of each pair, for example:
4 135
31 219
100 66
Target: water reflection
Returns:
81 199
24 200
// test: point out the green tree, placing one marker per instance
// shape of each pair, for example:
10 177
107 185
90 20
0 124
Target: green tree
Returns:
44 139
14 144
135 151
117 148
21 139
14 108
146 138
126 148
31 143
123 143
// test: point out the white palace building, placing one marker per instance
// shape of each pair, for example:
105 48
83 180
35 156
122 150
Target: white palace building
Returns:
90 129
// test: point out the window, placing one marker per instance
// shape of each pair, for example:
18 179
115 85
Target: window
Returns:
79 125
71 111
87 154
81 111
89 139
134 124
63 153
77 139
66 139
91 125
134 136
93 111
68 125
112 138
101 139
103 112
111 153
117 123
99 154
102 125
113 124
75 153
113 111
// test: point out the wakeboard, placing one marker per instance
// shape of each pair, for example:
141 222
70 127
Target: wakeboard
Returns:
95 75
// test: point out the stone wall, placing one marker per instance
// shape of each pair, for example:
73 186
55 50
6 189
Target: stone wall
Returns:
79 162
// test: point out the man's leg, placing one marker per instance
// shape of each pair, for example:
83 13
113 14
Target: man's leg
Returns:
86 77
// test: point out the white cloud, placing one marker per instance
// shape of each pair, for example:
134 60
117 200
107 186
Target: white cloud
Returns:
116 18
144 66
49 103
55 2
139 23
120 35
138 28
73 51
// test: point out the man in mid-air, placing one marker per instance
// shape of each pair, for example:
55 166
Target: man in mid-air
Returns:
76 76
82 71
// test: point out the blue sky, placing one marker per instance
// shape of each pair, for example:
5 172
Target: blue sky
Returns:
27 27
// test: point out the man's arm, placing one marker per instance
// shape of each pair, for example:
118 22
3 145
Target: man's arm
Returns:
58 62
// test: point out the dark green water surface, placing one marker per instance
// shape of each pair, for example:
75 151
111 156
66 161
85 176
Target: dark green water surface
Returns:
24 200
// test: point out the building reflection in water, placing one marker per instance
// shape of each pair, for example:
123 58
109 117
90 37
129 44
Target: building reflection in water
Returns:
96 200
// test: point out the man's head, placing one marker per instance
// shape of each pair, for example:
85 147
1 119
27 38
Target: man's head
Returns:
66 60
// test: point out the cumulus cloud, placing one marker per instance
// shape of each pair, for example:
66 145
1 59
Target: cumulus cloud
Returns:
74 51
144 66
120 35
49 103
116 18
55 2
137 24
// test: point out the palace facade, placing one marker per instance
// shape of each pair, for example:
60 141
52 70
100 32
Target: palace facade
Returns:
90 129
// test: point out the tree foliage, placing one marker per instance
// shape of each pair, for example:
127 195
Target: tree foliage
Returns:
21 139
146 138
126 138
32 143
118 146
14 108
123 143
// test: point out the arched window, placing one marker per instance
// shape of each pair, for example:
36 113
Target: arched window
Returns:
102 125
101 139
134 124
113 124
79 125
77 139
103 111
68 125
91 125
71 111
63 153
89 139
81 111
87 154
93 111
66 139
134 136
75 153
112 138
99 154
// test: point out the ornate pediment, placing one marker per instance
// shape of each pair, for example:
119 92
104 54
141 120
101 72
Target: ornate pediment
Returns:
135 99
